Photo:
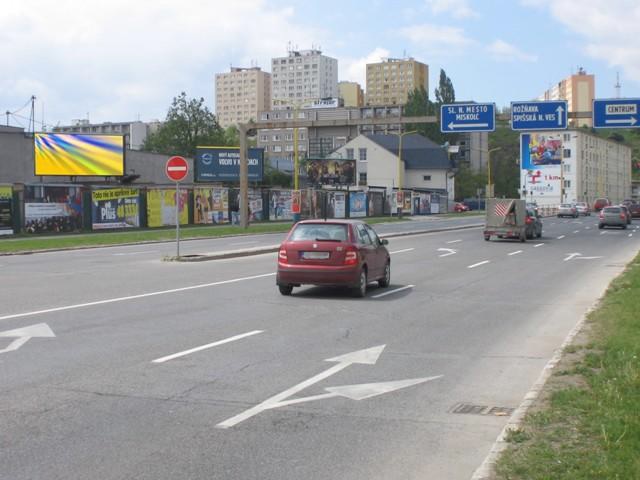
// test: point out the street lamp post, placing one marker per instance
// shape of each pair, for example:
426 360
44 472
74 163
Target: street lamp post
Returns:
489 184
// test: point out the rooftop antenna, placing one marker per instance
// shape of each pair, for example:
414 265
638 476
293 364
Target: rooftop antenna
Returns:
617 86
8 113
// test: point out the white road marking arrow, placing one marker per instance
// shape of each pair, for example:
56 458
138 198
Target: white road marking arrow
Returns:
368 356
572 256
622 121
453 126
25 334
450 251
368 390
587 258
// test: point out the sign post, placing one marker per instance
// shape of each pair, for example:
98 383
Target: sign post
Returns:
547 115
468 117
176 170
616 113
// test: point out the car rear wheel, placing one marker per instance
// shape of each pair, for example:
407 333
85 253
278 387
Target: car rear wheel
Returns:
285 289
386 279
361 290
600 226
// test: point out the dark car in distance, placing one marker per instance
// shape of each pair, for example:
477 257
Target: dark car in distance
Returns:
533 224
345 253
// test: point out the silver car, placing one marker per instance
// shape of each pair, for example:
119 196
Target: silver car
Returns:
567 210
612 217
583 208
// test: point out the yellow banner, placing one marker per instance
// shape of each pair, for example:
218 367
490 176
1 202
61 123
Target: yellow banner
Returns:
6 193
161 207
113 193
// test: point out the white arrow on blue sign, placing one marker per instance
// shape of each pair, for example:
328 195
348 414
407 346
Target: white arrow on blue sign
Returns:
468 117
616 113
543 115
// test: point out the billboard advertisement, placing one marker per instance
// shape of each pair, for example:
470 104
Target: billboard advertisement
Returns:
49 209
74 154
541 158
357 204
6 220
331 171
115 208
161 207
222 164
211 205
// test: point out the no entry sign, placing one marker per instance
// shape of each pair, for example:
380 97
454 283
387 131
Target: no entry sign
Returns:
177 168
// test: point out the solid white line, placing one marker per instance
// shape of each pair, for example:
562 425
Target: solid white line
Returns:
134 297
538 245
402 251
454 241
515 253
560 237
393 291
204 347
478 264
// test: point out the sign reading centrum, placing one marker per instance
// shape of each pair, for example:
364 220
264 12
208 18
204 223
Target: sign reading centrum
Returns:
547 115
468 117
616 113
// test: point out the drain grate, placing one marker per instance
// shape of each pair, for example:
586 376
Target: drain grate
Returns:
469 408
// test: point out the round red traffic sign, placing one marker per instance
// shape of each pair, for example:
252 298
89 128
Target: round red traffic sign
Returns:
177 168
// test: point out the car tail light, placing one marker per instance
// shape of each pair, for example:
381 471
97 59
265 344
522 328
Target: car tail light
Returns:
601 214
529 220
282 255
351 257
623 216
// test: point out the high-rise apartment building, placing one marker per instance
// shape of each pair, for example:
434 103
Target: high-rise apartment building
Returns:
579 91
351 93
240 94
303 76
390 81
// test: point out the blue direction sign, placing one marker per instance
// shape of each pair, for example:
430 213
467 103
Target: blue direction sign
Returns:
616 113
468 117
547 115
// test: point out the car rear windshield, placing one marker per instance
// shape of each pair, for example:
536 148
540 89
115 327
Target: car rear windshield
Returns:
566 205
319 231
612 210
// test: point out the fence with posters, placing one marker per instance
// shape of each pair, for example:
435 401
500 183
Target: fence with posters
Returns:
357 204
161 207
51 209
280 205
6 210
115 208
210 205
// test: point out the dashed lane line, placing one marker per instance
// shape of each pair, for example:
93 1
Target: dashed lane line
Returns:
402 251
560 237
390 292
454 241
204 347
538 245
484 262
515 253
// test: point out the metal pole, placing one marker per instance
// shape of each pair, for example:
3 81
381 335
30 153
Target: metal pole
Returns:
243 201
178 219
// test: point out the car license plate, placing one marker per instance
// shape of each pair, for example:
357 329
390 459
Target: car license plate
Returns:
315 255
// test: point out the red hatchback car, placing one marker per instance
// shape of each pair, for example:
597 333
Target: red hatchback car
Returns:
334 253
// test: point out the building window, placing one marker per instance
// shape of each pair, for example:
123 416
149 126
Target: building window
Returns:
350 153
363 178
264 138
567 137
426 178
277 148
567 153
362 154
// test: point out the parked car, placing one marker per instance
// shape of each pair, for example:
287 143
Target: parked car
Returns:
567 210
583 208
627 213
612 217
634 208
600 203
534 224
460 207
345 253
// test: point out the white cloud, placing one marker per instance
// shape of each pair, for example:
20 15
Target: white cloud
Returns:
437 38
119 58
456 8
502 51
355 69
609 29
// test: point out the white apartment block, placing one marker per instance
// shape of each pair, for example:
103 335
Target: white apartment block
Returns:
240 94
303 76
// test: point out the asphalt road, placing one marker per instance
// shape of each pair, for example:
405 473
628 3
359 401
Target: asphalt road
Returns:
464 322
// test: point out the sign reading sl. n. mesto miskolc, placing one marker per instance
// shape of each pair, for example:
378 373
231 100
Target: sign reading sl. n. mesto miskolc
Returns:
222 164
468 117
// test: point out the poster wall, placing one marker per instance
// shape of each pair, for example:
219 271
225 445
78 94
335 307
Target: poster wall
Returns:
161 207
211 205
541 158
6 220
280 205
115 208
52 209
357 204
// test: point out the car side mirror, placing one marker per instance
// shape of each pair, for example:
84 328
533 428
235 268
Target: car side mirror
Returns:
384 241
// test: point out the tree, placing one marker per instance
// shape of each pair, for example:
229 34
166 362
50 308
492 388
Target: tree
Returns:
445 93
188 124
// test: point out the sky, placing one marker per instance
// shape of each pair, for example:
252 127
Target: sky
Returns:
124 60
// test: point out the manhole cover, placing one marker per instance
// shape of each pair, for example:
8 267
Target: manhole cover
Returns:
470 408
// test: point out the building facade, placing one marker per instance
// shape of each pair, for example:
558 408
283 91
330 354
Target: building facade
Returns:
588 166
240 94
135 132
351 93
390 81
579 91
303 76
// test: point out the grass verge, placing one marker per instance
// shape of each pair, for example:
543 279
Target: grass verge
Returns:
32 243
586 424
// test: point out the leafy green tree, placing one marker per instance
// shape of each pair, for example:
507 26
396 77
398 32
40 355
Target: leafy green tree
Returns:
189 123
468 182
275 178
445 93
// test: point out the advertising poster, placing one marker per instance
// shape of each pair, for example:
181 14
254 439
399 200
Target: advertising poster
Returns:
161 207
280 205
211 205
357 204
376 204
435 203
6 221
52 209
255 206
541 158
115 208
331 171
296 201
407 202
337 205
222 164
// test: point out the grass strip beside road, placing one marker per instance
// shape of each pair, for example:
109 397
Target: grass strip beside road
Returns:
586 424
34 243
